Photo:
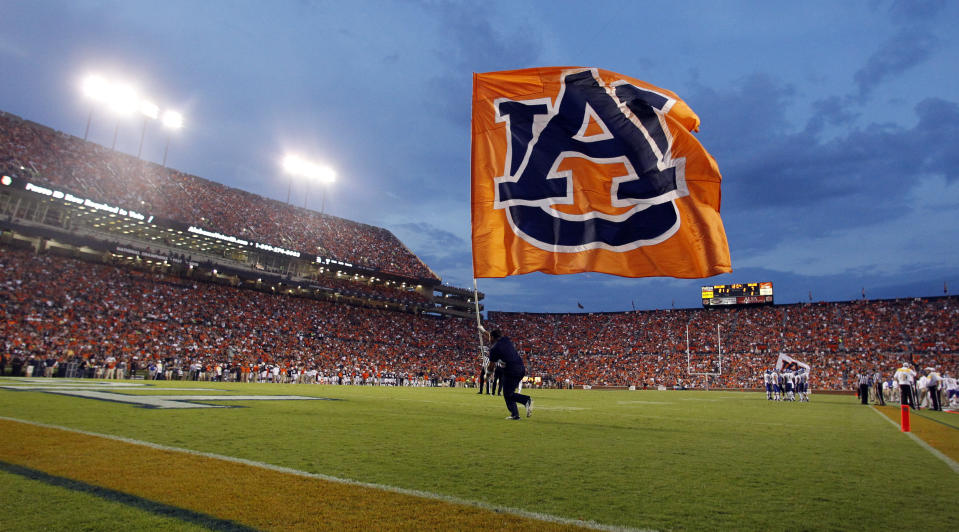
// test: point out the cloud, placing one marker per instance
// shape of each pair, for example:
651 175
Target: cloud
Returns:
780 183
470 41
745 115
934 137
430 239
907 49
832 111
444 252
915 11
922 236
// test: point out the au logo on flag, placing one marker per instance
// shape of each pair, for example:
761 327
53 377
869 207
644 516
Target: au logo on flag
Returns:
579 169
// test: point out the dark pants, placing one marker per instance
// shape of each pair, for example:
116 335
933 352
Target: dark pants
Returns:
905 396
510 382
864 393
483 381
497 383
934 397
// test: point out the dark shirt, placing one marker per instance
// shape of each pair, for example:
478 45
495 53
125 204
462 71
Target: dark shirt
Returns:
504 350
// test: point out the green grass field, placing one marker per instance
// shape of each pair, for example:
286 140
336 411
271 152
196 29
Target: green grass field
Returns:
641 459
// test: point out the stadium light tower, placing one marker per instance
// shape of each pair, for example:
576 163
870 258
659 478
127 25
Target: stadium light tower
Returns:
327 179
324 175
120 98
292 165
172 120
123 101
149 110
296 166
96 89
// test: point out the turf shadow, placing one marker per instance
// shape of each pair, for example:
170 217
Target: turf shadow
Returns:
156 508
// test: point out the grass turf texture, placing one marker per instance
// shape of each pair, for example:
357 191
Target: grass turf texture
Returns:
33 501
226 495
661 460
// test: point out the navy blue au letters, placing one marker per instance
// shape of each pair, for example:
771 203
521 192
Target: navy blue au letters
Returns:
634 134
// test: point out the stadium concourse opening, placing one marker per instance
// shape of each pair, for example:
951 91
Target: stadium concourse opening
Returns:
119 264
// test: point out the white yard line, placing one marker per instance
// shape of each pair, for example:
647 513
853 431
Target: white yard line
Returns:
393 489
935 452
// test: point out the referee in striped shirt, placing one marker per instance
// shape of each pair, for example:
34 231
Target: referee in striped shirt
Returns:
865 382
483 377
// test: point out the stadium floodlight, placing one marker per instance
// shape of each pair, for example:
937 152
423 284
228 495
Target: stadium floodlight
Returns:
296 166
123 99
97 89
326 175
172 120
293 164
149 109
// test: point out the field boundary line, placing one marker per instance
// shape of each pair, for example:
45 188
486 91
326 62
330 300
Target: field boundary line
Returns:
935 452
319 476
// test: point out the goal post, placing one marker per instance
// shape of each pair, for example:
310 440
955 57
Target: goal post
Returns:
695 371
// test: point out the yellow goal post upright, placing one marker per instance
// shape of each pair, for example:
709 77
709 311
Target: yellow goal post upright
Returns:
692 371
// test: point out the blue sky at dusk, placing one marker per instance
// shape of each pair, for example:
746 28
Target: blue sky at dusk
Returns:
835 124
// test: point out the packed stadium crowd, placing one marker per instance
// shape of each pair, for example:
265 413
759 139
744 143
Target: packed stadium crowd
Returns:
55 159
106 321
55 311
837 339
60 309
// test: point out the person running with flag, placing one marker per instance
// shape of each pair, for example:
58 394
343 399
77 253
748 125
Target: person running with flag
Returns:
503 354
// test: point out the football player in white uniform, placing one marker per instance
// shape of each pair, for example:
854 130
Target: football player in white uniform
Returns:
777 385
768 383
790 379
802 382
952 389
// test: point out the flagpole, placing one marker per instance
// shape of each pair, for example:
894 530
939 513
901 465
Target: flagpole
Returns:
719 341
479 326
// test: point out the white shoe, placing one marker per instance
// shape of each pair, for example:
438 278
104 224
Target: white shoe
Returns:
529 407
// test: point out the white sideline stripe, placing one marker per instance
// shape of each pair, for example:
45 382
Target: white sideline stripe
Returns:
383 487
935 452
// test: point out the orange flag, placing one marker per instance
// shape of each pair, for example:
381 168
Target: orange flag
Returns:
586 170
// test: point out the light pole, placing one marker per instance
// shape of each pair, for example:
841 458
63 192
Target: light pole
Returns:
324 176
96 89
172 120
298 167
151 111
326 186
124 102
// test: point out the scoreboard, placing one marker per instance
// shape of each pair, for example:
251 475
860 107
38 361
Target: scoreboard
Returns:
738 294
